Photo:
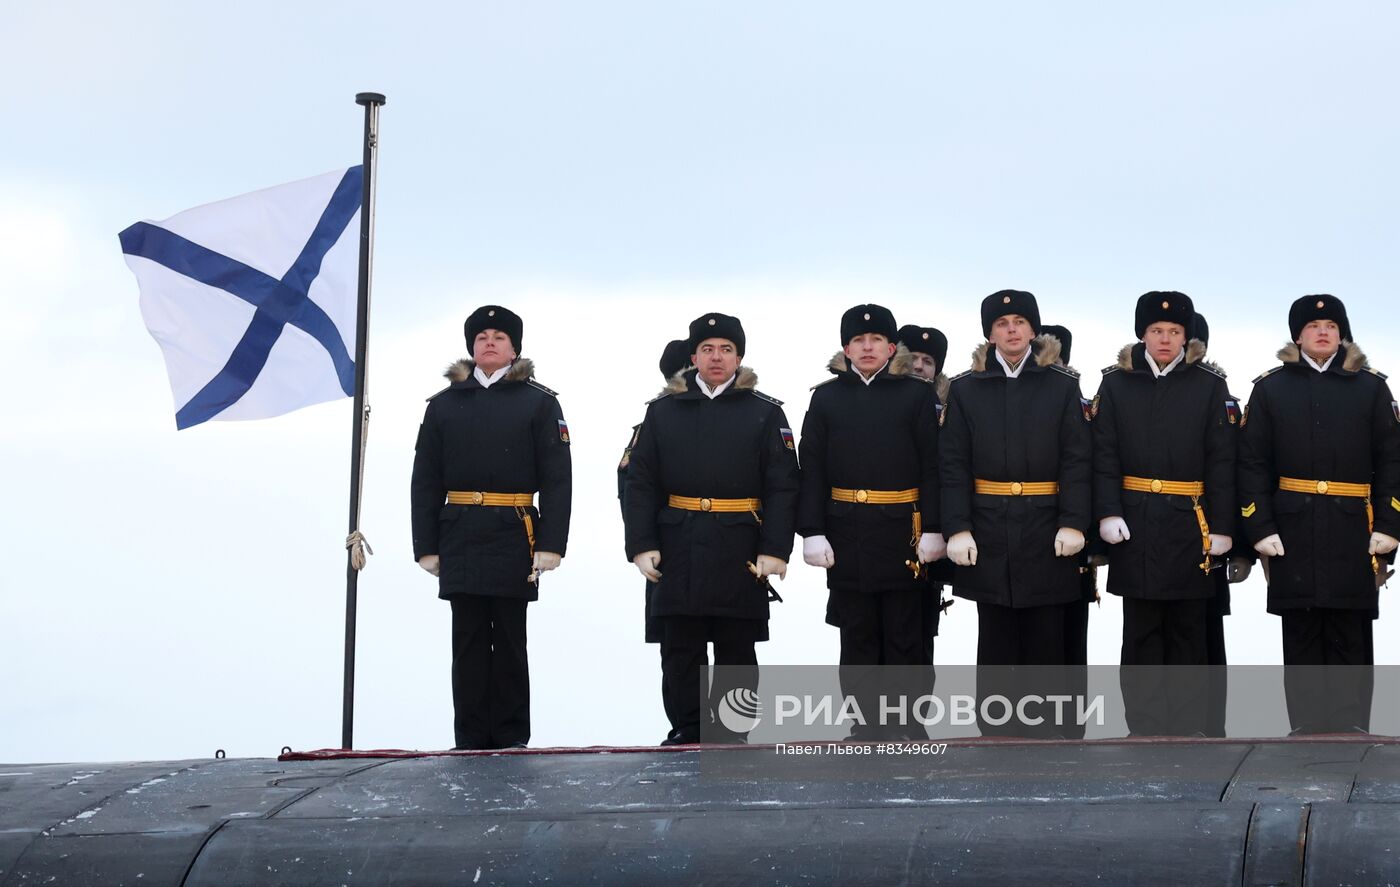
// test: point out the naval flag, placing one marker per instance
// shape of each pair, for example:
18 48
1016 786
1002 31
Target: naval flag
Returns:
253 299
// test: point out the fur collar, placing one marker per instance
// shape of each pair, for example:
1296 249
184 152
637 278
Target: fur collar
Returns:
1353 362
461 371
1195 353
744 379
1044 347
942 386
900 365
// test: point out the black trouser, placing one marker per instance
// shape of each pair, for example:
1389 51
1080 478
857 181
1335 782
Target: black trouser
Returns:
1077 654
1020 653
1164 674
490 672
688 702
884 628
1218 680
1328 675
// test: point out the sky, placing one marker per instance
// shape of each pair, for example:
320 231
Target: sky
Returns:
609 171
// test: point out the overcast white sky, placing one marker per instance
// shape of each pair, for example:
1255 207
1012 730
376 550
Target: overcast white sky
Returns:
609 170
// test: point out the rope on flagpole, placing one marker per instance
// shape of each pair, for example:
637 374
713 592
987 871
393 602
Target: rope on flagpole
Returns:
356 542
359 549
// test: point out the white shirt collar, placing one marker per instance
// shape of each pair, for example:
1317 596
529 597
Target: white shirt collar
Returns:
1010 373
1152 364
712 393
861 375
487 381
1321 368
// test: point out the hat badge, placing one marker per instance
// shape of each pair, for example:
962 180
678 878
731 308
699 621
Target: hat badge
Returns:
1006 300
867 315
1319 303
491 313
1166 304
712 321
925 336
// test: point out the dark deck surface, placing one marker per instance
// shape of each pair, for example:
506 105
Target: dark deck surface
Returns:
1213 812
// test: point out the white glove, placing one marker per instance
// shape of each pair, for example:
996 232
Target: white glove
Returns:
1382 544
1238 569
1114 530
962 549
647 562
816 551
1220 544
546 561
431 562
932 547
1270 547
770 566
1068 542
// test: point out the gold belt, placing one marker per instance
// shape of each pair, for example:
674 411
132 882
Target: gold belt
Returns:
1193 488
1165 487
1015 488
874 497
1325 487
1336 488
517 500
688 503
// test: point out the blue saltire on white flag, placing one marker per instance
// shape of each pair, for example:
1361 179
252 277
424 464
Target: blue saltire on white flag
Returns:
252 299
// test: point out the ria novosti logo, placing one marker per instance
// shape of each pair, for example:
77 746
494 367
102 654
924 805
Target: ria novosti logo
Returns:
739 710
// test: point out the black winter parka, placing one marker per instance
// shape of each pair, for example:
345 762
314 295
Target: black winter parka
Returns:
738 445
509 438
880 436
1032 428
1180 427
1338 425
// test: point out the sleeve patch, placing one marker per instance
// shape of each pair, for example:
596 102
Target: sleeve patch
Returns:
1232 411
1248 510
787 438
1088 407
1244 417
564 431
1395 408
627 451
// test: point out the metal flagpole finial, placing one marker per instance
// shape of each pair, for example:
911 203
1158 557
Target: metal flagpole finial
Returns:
369 98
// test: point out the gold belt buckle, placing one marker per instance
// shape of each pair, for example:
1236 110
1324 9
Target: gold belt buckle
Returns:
704 504
1016 488
1322 486
476 498
1156 486
862 495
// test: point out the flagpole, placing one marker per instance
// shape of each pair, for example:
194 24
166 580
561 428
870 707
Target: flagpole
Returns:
371 102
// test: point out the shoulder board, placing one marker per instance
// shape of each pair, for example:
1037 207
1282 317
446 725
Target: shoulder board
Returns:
820 384
1211 368
960 375
1064 369
1112 369
662 396
547 390
1377 373
761 396
440 393
1266 374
